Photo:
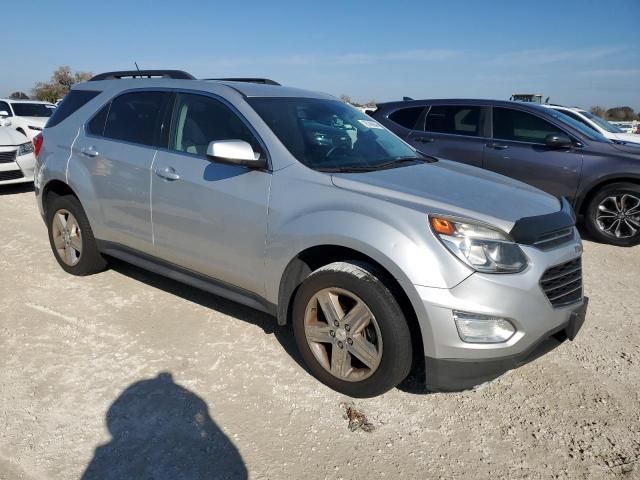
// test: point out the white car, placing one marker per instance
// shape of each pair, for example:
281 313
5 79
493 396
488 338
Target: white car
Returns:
17 160
596 123
26 116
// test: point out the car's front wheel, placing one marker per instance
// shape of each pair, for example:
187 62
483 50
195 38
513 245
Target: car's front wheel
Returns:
613 215
350 330
71 237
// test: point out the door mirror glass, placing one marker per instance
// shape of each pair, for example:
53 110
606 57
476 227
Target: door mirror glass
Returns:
554 140
235 152
4 113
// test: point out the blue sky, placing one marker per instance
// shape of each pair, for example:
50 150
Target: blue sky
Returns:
578 52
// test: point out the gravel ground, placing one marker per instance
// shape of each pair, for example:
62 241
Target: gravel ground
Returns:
124 372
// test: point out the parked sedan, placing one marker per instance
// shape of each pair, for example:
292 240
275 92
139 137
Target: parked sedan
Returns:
26 116
534 144
17 161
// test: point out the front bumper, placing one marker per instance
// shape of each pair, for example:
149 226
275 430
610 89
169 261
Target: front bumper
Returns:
19 171
452 364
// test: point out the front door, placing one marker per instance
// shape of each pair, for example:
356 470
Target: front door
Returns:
517 150
209 217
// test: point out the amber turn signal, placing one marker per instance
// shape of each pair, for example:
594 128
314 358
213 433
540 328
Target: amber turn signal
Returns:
442 226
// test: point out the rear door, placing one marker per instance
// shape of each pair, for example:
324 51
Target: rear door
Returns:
453 132
517 150
210 217
117 151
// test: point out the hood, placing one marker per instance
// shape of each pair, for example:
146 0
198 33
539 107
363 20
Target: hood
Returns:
36 121
633 149
455 189
11 137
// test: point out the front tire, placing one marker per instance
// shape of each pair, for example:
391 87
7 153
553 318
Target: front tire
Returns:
613 215
350 330
71 237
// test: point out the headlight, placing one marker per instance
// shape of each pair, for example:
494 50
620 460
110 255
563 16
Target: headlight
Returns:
482 247
25 148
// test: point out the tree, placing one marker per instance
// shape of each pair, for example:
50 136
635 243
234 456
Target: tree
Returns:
598 111
621 114
19 96
59 85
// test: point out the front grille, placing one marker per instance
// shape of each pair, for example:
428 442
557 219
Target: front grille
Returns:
562 284
554 239
8 157
11 175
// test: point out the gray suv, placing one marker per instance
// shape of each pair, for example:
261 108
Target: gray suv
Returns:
299 205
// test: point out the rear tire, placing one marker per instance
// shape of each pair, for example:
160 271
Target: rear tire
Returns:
362 346
71 237
614 213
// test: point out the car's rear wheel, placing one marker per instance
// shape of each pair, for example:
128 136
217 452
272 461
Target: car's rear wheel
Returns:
350 330
613 215
71 237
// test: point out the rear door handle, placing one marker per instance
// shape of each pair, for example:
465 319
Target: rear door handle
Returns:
89 152
425 139
497 146
168 173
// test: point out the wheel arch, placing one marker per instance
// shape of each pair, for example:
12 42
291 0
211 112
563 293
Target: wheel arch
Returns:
583 201
55 188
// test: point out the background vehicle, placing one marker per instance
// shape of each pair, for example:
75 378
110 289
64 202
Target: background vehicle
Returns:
534 144
17 160
27 116
596 123
300 205
527 97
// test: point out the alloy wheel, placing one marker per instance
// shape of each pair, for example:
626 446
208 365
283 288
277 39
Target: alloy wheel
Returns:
67 237
343 334
619 216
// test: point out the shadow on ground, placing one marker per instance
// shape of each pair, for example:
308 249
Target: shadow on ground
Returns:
162 431
16 188
414 383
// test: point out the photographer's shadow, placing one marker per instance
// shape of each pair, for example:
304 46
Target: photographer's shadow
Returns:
161 430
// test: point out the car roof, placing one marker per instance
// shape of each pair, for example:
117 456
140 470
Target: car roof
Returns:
12 100
560 107
246 89
457 101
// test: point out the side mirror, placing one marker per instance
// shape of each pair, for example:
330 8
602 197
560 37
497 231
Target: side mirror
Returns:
235 152
4 113
558 141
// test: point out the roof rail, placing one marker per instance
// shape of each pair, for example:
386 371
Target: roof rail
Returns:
264 81
176 74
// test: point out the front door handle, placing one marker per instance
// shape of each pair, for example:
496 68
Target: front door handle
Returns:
425 139
497 146
89 152
168 173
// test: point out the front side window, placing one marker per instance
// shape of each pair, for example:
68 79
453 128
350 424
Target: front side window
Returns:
457 120
330 135
4 107
521 126
25 109
199 120
134 117
407 117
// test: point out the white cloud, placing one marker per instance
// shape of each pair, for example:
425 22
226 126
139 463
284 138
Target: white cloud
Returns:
546 56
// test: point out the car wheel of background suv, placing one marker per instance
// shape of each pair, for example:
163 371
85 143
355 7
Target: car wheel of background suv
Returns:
350 330
71 237
613 215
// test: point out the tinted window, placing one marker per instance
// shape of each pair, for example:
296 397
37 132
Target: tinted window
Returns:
200 120
96 125
4 107
407 117
133 117
521 126
32 109
457 120
329 134
578 118
72 102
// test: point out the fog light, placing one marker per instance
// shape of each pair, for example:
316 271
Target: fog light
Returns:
477 328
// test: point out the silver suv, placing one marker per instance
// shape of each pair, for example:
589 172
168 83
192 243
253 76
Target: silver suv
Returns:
299 205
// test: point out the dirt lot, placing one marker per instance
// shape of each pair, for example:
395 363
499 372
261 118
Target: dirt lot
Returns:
150 372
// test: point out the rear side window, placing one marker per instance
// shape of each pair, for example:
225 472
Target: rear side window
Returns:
133 117
457 120
521 126
407 117
74 100
96 125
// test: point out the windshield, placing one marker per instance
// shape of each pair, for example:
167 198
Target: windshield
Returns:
331 135
602 123
32 109
581 127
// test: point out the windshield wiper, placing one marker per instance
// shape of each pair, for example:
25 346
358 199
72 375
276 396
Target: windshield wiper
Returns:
379 166
399 161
